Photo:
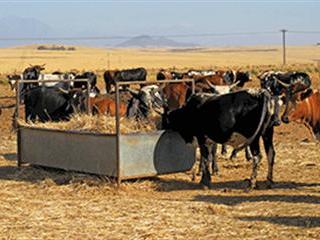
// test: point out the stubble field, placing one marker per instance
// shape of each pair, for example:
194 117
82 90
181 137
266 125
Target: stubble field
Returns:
39 203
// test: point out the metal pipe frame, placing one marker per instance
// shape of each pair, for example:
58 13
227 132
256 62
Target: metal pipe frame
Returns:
117 117
17 97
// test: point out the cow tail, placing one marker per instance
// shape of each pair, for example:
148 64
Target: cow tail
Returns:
266 97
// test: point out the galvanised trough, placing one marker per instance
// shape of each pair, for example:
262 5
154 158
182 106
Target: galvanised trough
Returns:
122 156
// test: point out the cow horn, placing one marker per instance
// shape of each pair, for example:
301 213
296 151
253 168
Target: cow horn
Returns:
211 85
234 85
282 83
63 90
133 92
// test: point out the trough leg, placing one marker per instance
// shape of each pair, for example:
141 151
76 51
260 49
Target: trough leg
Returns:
223 149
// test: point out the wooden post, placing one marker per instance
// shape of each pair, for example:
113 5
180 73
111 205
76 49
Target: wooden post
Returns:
284 46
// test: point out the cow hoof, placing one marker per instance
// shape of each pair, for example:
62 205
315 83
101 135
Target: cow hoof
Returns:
205 185
215 172
250 185
269 184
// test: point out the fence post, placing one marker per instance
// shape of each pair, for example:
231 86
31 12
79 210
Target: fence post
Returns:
284 46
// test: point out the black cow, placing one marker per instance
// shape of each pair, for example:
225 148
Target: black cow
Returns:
113 76
31 73
170 75
220 119
287 84
92 78
48 104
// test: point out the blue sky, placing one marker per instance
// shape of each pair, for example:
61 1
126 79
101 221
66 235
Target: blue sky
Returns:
94 18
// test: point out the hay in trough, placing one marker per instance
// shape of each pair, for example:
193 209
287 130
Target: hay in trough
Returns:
97 124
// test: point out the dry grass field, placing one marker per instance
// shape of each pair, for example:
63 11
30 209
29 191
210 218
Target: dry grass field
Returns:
16 59
38 203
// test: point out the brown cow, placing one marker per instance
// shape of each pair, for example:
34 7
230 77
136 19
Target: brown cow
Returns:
106 106
221 78
175 94
308 113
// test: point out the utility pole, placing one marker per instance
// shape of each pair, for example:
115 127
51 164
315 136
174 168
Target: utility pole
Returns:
283 45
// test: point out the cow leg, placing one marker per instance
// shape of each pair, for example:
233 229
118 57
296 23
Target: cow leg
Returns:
204 150
248 154
270 152
213 158
108 87
255 149
223 149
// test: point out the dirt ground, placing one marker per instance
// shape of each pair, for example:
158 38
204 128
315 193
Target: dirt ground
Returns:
39 203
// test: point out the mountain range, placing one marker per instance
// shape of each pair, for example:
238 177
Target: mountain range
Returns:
17 27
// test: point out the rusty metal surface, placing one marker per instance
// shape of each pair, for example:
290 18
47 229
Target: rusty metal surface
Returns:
70 151
149 154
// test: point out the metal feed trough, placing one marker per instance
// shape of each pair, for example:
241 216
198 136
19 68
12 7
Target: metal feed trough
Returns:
122 156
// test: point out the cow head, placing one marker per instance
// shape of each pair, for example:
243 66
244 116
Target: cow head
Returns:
179 119
289 85
241 78
144 102
33 72
12 79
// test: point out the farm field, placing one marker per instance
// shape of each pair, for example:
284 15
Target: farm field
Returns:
38 203
84 58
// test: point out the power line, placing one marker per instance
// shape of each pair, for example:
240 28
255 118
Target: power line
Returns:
128 37
305 32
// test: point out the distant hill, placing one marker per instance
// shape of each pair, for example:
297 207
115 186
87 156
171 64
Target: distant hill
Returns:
17 27
145 41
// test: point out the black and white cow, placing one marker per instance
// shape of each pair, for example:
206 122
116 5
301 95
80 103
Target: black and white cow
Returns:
238 119
144 102
288 84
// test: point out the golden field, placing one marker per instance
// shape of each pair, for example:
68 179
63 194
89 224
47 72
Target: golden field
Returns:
95 59
42 203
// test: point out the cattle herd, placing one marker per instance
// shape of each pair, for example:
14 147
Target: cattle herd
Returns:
215 109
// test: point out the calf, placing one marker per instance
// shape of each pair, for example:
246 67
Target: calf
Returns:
106 106
225 119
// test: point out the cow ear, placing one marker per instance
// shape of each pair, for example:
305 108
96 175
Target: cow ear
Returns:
306 93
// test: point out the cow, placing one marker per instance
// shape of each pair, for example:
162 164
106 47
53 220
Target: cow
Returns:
170 75
175 94
48 104
242 116
308 112
145 103
287 84
128 75
12 80
234 79
92 81
192 73
106 106
98 105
